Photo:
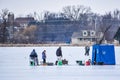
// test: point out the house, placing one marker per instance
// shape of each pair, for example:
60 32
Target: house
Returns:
117 35
86 36
24 21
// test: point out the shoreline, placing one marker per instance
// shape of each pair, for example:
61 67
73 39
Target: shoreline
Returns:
39 45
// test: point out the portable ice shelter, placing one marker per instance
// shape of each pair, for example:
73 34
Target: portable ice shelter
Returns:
103 54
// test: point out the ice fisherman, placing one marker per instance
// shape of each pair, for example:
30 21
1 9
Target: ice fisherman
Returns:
87 49
34 57
44 56
59 53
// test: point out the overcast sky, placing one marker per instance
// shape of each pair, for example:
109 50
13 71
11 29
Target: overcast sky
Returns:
24 7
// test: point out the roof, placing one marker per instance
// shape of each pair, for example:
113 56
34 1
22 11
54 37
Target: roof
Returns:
117 35
80 34
24 19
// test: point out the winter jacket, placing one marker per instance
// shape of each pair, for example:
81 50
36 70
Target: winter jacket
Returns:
43 55
59 52
33 54
87 48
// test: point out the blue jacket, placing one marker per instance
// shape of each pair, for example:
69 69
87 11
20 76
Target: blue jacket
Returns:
43 55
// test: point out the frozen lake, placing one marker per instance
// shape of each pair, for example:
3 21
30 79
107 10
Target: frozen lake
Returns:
14 65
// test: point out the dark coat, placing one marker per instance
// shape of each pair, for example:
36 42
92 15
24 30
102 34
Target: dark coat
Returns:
33 54
59 52
87 49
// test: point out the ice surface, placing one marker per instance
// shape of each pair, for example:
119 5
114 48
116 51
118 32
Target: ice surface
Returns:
14 65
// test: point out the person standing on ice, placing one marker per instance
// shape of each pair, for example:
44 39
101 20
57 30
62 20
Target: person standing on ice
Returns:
59 53
34 57
87 49
44 56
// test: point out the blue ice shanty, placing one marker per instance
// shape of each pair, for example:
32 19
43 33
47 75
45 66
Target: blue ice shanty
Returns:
103 54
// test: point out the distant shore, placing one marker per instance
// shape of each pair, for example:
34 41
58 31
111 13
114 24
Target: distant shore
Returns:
35 45
39 45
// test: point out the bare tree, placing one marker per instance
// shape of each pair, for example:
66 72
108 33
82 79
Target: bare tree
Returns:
37 16
116 14
4 14
29 33
26 35
3 26
75 12
110 19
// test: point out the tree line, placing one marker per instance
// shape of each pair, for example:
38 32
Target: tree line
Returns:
69 14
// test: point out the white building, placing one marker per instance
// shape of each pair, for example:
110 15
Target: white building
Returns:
86 37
